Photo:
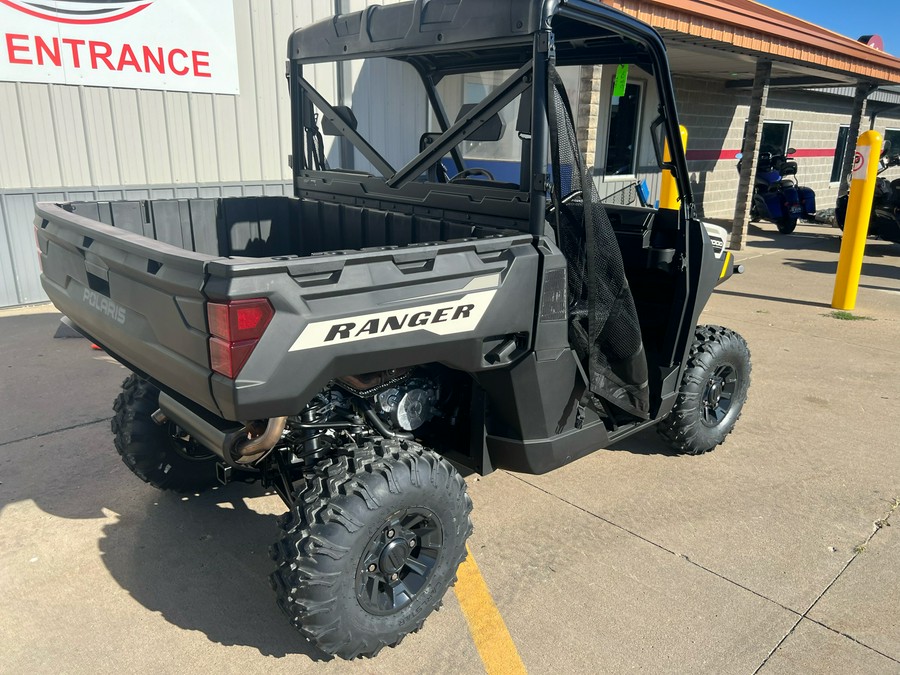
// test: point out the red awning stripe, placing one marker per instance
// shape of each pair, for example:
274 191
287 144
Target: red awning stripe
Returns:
719 155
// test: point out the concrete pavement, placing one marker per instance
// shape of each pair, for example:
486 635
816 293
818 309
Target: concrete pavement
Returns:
776 553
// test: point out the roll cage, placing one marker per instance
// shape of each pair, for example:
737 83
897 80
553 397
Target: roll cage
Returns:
445 37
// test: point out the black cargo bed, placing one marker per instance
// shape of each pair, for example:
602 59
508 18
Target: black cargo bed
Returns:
262 227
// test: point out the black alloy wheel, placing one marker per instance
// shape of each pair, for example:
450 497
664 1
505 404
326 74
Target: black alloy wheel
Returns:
370 545
712 392
399 561
718 395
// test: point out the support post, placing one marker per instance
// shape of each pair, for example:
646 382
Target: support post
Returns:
668 188
758 100
863 89
588 115
864 164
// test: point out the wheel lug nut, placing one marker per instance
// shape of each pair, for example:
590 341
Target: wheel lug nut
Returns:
372 567
390 533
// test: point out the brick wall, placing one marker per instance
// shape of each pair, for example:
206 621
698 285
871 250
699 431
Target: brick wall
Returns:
715 116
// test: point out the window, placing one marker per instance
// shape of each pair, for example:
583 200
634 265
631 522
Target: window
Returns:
476 87
840 147
892 136
775 137
622 140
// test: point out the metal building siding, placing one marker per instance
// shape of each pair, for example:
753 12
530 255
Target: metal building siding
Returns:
126 132
40 140
203 135
68 124
154 125
56 135
180 138
226 127
13 165
102 152
9 289
74 142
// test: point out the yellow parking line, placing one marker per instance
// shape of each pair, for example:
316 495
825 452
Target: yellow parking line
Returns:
492 639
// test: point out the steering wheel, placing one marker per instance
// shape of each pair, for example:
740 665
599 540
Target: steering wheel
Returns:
475 171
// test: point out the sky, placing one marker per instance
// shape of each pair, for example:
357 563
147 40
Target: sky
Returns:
881 17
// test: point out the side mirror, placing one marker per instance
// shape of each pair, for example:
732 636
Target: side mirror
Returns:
739 155
790 151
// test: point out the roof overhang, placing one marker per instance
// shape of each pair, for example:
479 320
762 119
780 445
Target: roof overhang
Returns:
745 31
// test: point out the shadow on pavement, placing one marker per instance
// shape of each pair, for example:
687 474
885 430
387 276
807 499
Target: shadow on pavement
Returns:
203 565
790 301
869 269
645 442
47 384
200 561
828 238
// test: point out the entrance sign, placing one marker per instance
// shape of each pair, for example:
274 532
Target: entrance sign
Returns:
136 44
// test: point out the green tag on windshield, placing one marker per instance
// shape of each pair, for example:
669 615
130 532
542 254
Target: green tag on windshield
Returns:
621 80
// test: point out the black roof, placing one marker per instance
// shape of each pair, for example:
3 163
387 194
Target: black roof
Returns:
445 34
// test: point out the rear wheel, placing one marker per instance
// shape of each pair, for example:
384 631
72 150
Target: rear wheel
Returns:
712 393
371 545
155 453
786 224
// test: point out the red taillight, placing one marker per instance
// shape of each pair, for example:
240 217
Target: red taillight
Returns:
236 328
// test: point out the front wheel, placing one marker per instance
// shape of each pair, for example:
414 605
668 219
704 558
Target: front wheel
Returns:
371 545
712 392
786 224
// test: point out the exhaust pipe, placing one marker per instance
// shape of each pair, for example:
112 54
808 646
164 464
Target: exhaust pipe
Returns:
236 446
252 448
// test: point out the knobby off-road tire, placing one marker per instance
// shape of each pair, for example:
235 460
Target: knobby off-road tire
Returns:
712 392
346 537
149 449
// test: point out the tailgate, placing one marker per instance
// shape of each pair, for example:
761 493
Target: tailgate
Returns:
140 299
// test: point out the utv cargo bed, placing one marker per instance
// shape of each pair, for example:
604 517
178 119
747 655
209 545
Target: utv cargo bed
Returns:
136 277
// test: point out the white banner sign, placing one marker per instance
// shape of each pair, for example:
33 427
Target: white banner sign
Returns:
180 45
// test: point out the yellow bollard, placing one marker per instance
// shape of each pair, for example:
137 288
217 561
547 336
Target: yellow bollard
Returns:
856 222
668 189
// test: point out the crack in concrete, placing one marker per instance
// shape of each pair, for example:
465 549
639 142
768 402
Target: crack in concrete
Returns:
55 431
800 616
876 526
653 543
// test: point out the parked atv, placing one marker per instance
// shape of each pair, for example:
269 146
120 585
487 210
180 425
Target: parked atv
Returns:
884 221
351 345
777 196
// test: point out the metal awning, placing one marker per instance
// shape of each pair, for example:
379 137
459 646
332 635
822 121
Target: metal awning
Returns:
800 51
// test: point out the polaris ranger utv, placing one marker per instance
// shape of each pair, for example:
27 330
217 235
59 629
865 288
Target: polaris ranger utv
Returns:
418 305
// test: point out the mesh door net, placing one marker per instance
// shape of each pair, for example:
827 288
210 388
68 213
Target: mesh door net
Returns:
603 322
